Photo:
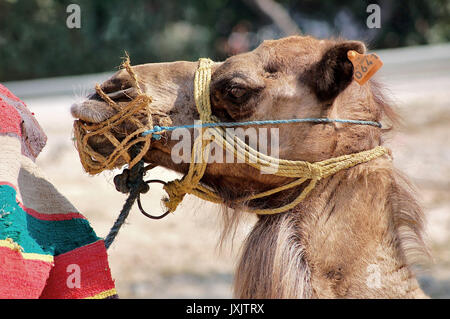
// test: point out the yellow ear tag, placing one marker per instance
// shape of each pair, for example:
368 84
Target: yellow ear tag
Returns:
364 65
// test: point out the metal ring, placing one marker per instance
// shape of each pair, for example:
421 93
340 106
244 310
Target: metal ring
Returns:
156 181
140 205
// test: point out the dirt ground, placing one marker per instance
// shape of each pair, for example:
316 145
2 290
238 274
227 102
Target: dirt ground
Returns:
177 257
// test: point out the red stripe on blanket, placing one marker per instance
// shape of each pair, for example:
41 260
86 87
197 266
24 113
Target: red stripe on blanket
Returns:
51 217
80 273
41 216
9 184
10 119
4 91
21 278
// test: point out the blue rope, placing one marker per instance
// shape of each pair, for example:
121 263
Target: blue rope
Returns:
157 130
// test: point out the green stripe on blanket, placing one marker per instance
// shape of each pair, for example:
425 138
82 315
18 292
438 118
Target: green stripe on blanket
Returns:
40 236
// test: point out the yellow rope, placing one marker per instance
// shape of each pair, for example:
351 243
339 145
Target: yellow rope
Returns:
94 162
301 169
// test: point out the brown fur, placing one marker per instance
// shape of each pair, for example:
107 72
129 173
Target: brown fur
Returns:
358 219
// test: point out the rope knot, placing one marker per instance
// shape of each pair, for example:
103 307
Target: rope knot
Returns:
315 171
176 190
124 182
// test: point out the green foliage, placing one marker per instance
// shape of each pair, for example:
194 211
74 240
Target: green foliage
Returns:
35 41
404 23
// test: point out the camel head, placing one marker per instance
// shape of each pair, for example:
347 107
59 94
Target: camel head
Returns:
294 77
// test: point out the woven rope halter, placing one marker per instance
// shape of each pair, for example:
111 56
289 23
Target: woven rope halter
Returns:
94 162
302 171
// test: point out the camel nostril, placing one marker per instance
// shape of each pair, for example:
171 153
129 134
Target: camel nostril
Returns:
95 97
123 95
117 96
115 85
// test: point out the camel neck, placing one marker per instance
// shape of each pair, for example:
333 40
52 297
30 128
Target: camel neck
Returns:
350 238
339 243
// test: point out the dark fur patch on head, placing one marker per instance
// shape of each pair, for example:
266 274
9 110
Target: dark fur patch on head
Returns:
333 72
229 106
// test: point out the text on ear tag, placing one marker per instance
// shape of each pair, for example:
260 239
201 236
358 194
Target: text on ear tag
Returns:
364 65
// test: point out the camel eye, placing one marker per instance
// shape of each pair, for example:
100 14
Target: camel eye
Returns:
237 92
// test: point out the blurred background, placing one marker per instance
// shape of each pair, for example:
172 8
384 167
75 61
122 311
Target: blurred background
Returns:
50 66
35 41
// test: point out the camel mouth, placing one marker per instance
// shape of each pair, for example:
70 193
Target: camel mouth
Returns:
94 113
125 118
95 110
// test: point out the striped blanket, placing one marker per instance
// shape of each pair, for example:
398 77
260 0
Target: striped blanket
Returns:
47 248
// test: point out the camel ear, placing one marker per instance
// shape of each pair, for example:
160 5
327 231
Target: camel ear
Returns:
334 71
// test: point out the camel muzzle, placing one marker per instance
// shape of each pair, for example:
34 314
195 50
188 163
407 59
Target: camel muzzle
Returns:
131 115
93 161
